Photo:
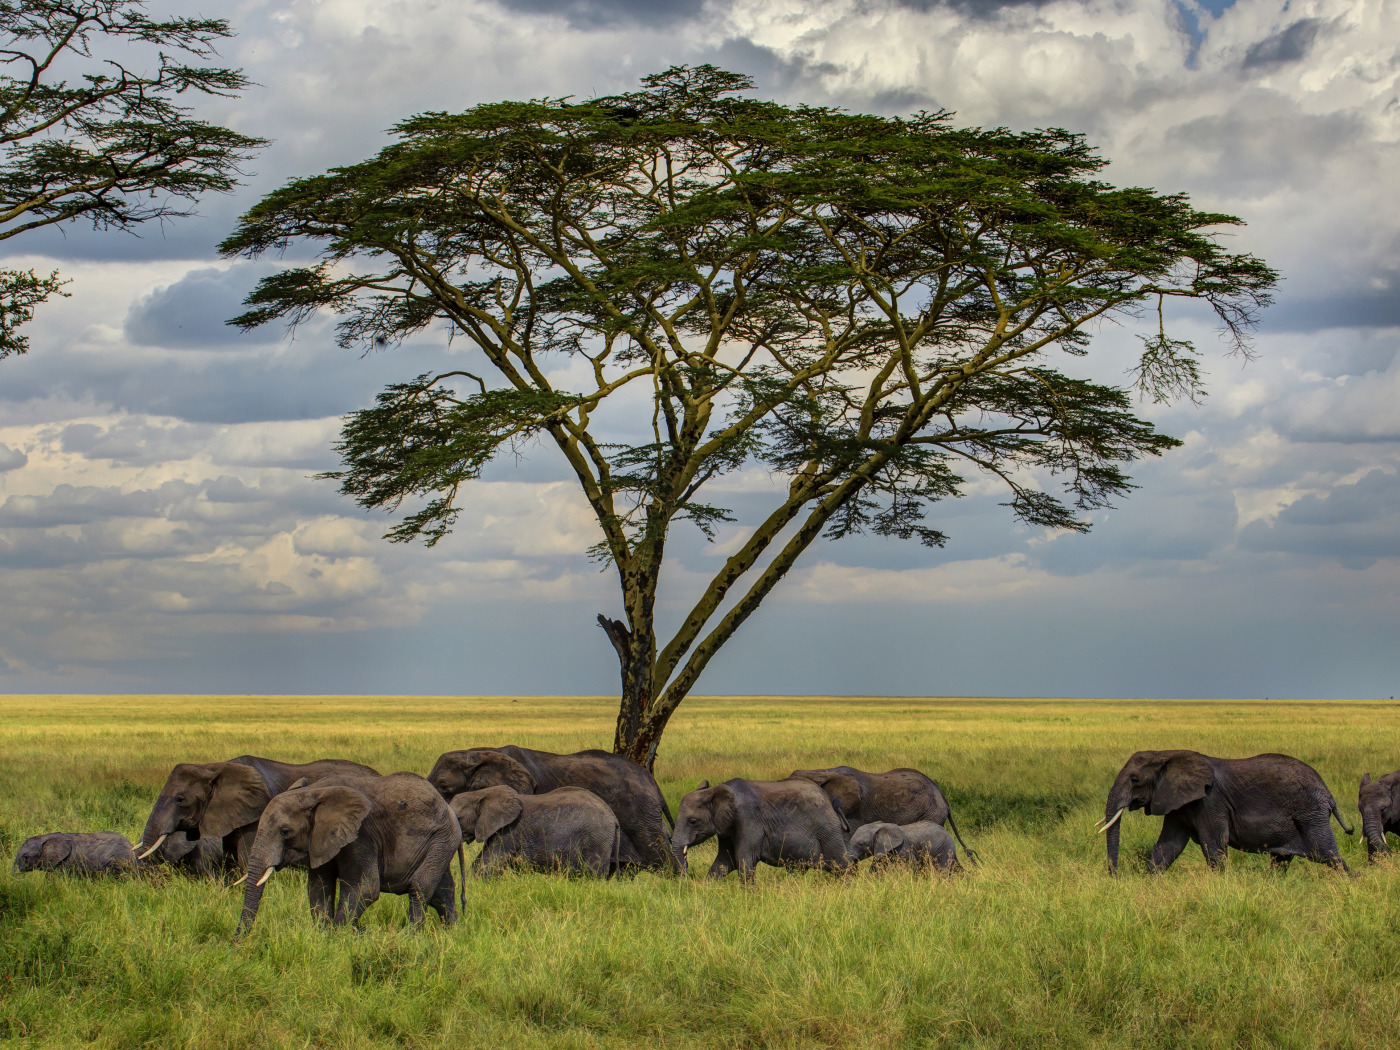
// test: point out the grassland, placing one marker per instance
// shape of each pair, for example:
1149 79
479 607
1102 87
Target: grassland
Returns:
1039 947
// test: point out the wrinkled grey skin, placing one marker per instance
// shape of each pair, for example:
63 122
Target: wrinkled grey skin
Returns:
627 788
567 829
901 796
923 844
223 801
359 837
76 852
1270 804
1379 803
786 823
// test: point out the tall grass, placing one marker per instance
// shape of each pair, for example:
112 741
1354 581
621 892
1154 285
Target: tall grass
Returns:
1038 947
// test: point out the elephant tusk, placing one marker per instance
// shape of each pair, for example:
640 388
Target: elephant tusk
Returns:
240 880
265 876
1113 820
153 848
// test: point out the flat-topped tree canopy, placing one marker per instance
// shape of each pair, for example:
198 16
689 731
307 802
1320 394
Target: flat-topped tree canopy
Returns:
869 306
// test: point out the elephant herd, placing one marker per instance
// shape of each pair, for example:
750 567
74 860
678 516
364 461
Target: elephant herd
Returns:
359 834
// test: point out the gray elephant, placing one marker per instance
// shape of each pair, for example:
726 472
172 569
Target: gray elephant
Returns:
627 788
77 852
787 823
900 796
567 829
359 837
223 801
1270 804
922 844
1379 803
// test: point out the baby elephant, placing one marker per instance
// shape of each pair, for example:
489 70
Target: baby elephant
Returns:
567 829
83 853
923 843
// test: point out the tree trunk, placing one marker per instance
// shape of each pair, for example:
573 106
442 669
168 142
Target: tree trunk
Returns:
632 738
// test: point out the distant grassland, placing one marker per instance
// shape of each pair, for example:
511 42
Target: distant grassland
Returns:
1039 947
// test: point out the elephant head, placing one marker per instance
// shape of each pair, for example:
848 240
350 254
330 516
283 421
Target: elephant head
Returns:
1157 782
876 840
483 813
459 771
308 825
43 852
705 812
210 799
1379 803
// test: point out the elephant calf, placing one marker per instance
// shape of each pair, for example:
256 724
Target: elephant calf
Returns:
787 823
82 853
360 836
567 829
923 844
1379 803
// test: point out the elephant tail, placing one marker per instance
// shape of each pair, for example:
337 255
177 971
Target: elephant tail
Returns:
462 868
971 853
1332 802
616 865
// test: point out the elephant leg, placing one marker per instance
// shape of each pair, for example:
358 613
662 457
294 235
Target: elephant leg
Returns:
1279 862
1175 835
356 894
1319 844
724 860
443 901
320 892
1215 852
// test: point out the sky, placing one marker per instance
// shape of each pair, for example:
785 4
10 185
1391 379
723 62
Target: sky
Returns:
161 528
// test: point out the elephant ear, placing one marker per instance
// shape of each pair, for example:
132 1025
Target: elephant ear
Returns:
497 811
56 850
1183 779
1365 779
702 785
723 808
339 814
889 838
496 768
238 797
843 789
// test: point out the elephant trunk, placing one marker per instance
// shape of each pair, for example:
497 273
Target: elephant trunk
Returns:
261 865
159 826
680 850
1113 817
1374 831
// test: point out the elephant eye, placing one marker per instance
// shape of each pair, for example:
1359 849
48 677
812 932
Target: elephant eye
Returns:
286 831
1135 779
180 799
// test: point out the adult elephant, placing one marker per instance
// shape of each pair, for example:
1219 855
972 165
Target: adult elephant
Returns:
1379 803
358 836
901 796
223 801
786 823
1270 804
628 789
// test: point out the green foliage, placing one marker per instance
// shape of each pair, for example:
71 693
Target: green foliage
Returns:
84 135
1037 947
866 305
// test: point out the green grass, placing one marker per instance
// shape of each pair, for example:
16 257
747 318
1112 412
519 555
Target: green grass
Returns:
1039 947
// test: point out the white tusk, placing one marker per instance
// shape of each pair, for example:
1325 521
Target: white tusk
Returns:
1112 821
153 848
240 880
265 876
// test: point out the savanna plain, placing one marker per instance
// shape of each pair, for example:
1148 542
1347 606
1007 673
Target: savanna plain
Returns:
1038 946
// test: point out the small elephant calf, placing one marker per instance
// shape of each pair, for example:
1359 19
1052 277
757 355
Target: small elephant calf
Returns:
84 853
567 829
923 843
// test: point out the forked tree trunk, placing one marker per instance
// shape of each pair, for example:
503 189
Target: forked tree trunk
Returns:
638 732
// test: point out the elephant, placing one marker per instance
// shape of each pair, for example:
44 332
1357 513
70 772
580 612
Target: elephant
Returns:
361 836
628 789
223 800
77 852
1379 803
923 843
901 796
1271 804
567 829
788 823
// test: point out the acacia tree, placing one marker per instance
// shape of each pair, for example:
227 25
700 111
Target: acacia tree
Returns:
866 305
85 135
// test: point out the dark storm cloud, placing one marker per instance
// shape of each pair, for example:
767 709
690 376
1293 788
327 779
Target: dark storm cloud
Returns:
1289 45
1376 306
133 441
589 13
192 313
11 459
1354 524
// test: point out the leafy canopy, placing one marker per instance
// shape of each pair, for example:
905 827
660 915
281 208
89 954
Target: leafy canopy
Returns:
84 135
869 306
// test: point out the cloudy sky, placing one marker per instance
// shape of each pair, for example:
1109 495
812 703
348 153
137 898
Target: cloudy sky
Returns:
160 529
